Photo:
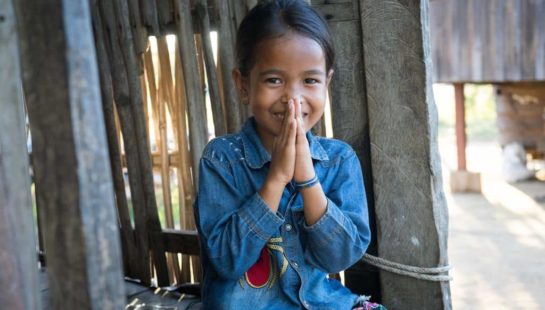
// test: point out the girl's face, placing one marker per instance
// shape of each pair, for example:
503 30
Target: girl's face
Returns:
291 66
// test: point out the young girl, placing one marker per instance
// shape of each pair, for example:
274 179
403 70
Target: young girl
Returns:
278 208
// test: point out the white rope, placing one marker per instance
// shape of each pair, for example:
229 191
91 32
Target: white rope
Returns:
429 274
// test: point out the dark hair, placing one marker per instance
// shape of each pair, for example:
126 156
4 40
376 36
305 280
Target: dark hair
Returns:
272 19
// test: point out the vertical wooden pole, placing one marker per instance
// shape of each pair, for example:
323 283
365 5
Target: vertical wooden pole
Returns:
198 134
130 257
18 259
126 121
70 154
226 60
461 141
211 74
412 216
350 122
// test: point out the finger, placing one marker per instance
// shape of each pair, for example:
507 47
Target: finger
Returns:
293 129
285 122
298 105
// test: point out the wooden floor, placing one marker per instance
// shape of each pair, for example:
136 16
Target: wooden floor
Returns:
137 295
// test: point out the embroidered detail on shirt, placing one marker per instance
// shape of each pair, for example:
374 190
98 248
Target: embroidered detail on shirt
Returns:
265 270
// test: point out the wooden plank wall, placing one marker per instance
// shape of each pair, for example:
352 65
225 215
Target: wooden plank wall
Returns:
411 211
489 41
18 264
70 157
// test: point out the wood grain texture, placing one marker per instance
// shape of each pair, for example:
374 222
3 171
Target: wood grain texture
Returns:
226 60
211 72
130 258
351 124
409 202
488 41
126 121
70 155
18 263
198 135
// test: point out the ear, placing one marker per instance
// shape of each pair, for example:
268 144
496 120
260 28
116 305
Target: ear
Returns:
241 84
329 77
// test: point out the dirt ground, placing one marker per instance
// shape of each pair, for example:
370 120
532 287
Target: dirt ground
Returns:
497 237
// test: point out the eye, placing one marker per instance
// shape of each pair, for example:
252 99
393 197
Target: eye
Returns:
273 80
311 81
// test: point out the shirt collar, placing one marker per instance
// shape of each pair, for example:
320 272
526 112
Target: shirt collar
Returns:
257 156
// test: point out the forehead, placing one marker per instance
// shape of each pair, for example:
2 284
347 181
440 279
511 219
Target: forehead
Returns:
290 52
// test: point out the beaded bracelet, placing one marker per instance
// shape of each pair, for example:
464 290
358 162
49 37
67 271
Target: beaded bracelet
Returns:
307 183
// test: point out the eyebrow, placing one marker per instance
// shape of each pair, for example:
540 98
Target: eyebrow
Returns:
278 71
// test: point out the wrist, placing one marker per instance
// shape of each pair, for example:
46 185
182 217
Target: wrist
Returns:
308 183
275 183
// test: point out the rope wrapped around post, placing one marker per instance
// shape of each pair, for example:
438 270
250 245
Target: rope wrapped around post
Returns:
422 273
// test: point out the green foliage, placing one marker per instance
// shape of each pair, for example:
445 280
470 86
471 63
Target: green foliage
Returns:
480 111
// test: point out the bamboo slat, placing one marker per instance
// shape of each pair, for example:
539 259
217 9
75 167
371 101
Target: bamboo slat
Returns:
149 16
211 74
121 96
152 86
139 32
151 214
226 63
127 237
185 181
195 102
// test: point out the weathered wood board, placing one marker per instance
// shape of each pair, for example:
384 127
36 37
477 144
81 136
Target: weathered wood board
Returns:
18 257
488 41
70 154
410 206
351 121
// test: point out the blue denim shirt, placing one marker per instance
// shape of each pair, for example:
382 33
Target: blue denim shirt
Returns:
254 258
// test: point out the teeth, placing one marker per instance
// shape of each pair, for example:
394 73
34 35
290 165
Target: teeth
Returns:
279 115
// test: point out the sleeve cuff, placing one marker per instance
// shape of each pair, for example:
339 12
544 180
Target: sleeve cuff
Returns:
260 218
328 225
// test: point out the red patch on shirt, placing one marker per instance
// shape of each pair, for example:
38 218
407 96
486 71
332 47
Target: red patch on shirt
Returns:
259 274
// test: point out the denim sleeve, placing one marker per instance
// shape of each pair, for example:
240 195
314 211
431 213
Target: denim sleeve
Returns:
341 235
233 227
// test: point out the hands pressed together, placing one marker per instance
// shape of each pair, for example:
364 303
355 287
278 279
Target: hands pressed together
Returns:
291 153
291 160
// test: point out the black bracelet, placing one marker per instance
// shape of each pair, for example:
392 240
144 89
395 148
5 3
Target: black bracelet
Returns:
306 184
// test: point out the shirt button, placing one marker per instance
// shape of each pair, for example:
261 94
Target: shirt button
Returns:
305 304
288 227
295 265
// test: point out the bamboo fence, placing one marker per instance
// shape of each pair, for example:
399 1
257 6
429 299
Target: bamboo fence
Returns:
164 95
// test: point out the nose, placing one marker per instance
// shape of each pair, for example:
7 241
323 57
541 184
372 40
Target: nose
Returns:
291 92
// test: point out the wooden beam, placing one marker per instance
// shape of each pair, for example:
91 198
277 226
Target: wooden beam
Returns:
70 154
179 241
411 210
18 256
460 125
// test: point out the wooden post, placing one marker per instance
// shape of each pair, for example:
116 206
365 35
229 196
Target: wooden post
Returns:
351 121
18 256
460 125
462 180
412 216
70 154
